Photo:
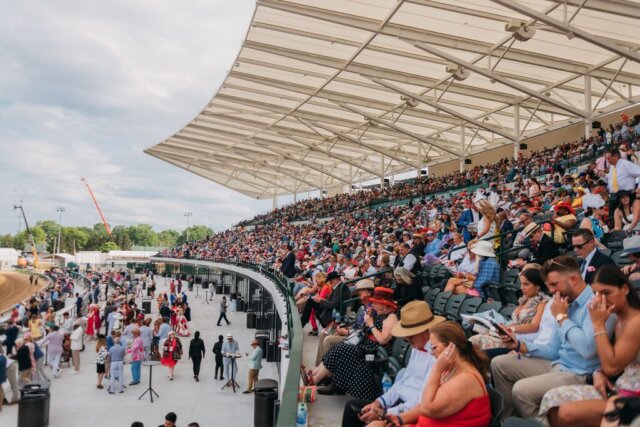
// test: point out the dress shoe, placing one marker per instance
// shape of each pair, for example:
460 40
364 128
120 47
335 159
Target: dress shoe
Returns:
246 392
330 390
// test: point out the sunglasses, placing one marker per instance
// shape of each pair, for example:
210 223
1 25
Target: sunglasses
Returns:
582 245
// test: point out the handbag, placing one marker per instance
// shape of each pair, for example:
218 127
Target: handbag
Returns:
354 337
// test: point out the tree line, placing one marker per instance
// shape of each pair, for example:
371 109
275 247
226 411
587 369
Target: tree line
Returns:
75 239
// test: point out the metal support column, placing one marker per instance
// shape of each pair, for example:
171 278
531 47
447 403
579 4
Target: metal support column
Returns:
516 130
462 147
381 171
419 160
587 106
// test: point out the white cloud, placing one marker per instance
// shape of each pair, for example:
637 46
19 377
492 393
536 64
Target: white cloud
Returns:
86 86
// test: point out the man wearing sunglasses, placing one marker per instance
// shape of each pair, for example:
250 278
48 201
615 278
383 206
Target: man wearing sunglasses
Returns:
591 259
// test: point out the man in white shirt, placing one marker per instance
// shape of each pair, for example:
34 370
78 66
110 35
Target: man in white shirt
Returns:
622 173
76 346
401 403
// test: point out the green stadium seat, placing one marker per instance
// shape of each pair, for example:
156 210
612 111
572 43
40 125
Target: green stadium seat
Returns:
470 305
441 302
486 306
510 294
497 406
507 311
430 296
452 309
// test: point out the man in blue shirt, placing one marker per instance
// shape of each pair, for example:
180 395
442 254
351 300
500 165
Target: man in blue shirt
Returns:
567 359
433 244
401 403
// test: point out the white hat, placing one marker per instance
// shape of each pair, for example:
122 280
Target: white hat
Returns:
484 248
229 335
630 245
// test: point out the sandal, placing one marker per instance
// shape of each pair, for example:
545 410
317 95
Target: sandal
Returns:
310 377
303 375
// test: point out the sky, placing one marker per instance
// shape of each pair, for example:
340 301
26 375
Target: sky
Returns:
86 86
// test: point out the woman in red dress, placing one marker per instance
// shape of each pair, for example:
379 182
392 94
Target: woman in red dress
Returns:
93 320
171 353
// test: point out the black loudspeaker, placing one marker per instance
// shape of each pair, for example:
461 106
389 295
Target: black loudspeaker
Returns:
467 161
596 125
523 146
386 180
423 172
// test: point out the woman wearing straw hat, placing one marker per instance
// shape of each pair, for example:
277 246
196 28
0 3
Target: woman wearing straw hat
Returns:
487 270
346 362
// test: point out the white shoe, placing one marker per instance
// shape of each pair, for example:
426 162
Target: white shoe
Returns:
75 372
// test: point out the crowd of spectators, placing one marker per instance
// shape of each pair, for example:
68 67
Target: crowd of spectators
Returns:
567 355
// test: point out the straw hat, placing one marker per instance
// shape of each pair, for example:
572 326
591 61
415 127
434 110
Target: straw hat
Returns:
484 248
415 317
630 245
530 229
364 284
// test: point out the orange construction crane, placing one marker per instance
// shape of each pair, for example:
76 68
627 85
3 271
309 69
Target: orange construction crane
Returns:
104 221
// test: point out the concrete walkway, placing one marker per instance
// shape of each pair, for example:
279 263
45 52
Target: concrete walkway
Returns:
76 401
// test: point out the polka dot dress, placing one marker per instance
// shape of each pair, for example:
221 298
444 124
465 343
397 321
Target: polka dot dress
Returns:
348 367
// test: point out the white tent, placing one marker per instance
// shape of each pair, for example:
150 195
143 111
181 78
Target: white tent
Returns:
8 258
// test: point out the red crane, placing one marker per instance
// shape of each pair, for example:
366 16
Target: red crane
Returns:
104 221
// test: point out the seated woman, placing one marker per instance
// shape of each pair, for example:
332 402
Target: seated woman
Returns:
526 317
488 270
455 394
627 214
585 405
345 362
563 221
407 287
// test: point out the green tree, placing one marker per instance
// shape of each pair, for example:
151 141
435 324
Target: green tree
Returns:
74 239
22 237
109 246
97 237
120 235
6 241
168 238
195 232
143 235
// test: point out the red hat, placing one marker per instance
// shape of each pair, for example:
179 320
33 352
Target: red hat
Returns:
565 205
384 296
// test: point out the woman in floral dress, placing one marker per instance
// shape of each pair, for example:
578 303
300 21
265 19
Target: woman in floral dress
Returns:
585 405
526 317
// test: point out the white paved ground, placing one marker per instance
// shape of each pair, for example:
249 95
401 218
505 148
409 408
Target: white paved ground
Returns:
76 401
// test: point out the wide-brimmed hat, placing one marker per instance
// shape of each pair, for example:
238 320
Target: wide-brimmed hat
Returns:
565 205
333 275
484 248
229 335
530 229
415 317
630 245
364 284
384 296
172 333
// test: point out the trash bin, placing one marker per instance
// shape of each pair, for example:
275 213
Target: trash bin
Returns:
37 402
272 352
239 304
146 305
262 336
266 393
251 319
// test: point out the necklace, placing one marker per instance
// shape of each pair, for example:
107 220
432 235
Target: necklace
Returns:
446 376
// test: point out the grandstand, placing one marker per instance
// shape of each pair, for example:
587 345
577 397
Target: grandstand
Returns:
328 97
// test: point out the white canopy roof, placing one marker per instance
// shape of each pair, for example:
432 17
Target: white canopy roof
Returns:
326 93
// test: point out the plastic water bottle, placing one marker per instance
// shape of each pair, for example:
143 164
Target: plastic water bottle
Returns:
336 316
386 383
301 417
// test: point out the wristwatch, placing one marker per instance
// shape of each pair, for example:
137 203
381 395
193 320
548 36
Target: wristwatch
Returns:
561 317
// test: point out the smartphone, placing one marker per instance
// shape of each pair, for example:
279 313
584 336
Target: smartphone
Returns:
501 330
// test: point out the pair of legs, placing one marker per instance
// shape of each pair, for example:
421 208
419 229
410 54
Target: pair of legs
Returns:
135 372
326 344
230 365
75 356
455 286
523 382
117 375
100 369
219 367
195 361
53 359
223 315
252 379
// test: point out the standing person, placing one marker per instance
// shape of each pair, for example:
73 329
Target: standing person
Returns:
53 342
146 333
255 364
41 373
11 334
35 326
101 358
76 346
78 305
137 355
196 354
23 357
288 267
217 351
223 311
171 353
116 355
3 376
230 348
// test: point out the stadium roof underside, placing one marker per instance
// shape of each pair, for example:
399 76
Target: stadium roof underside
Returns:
327 93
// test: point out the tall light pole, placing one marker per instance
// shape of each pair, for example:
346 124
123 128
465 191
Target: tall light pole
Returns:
60 210
188 215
